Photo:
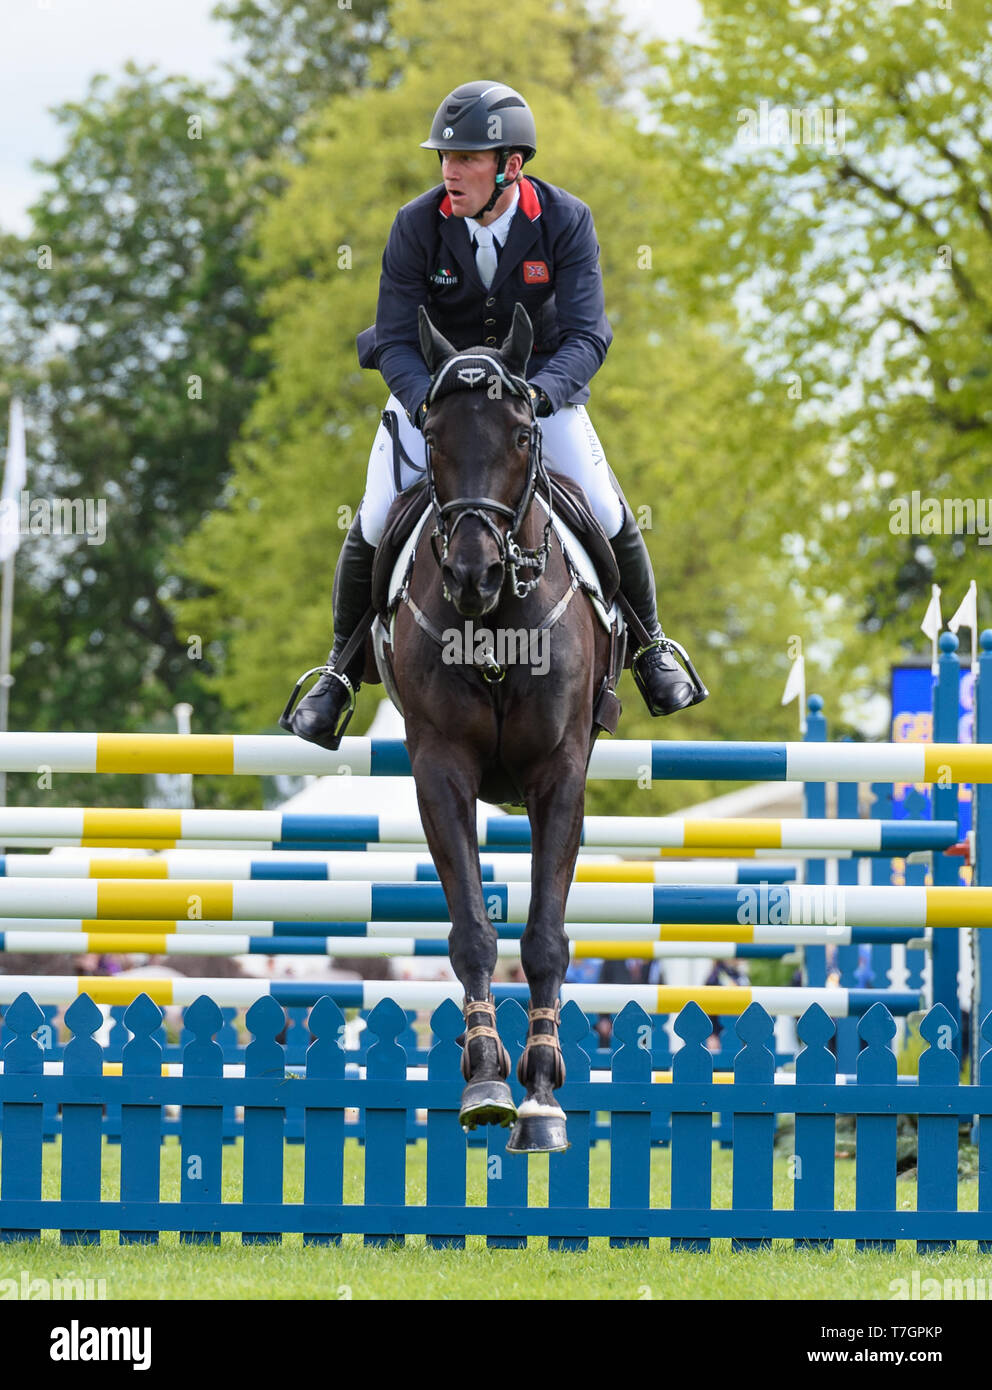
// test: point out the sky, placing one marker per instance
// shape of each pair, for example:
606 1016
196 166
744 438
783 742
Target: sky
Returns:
49 50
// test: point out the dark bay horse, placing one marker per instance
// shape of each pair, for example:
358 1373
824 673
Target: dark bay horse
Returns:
518 731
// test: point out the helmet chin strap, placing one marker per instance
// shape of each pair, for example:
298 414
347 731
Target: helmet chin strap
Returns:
499 187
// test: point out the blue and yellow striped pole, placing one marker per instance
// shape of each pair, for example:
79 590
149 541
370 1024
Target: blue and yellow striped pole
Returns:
617 760
428 994
110 899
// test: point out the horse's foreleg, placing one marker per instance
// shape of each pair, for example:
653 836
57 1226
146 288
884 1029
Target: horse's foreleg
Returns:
447 809
555 810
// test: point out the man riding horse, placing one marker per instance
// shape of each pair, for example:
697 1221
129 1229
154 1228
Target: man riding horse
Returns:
470 249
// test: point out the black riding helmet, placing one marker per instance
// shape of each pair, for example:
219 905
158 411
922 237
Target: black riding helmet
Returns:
484 116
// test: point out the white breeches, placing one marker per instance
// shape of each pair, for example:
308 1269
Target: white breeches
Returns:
570 446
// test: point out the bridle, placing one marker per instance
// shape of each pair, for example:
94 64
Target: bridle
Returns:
465 371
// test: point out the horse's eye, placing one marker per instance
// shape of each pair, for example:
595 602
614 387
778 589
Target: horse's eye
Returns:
523 438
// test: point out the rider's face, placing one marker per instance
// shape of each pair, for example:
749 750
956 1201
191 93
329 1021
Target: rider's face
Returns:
468 176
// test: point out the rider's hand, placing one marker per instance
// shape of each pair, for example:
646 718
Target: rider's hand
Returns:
542 403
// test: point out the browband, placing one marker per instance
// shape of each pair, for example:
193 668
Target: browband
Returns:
467 371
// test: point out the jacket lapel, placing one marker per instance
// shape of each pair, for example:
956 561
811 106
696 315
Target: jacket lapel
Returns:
455 236
524 231
523 234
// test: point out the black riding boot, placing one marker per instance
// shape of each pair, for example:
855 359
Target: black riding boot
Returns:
318 715
661 680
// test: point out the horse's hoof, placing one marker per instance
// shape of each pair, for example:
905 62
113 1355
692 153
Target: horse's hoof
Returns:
487 1103
540 1129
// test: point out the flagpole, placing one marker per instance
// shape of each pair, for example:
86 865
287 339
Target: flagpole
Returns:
14 478
6 679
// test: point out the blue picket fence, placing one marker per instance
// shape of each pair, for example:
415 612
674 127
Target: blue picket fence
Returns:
385 1097
296 1038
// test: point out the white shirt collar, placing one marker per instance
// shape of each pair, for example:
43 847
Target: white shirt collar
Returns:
501 227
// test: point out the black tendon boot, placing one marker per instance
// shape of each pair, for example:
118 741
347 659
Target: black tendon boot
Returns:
318 715
665 686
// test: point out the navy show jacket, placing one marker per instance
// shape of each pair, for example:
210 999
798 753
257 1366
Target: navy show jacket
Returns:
549 262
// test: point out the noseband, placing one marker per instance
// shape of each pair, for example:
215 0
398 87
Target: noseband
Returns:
465 371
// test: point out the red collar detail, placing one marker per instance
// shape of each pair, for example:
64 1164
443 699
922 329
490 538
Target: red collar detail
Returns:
529 203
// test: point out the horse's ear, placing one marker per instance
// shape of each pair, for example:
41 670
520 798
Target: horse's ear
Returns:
519 341
434 345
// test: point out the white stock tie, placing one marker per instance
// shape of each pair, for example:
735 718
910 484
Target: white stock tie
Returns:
485 255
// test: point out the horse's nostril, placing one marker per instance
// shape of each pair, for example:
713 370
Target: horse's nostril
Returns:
456 576
494 578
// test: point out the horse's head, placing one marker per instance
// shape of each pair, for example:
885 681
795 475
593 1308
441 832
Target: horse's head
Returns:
483 458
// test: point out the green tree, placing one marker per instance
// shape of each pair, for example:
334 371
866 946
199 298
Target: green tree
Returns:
293 55
133 327
844 149
130 285
129 327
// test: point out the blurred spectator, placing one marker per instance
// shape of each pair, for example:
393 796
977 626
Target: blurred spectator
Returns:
725 973
582 972
612 972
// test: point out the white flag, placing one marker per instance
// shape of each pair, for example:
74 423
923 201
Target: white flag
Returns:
795 687
14 478
932 624
967 616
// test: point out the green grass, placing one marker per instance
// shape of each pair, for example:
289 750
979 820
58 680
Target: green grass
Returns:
174 1271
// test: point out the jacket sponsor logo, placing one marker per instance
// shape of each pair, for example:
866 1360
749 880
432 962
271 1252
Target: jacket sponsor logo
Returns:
444 275
536 272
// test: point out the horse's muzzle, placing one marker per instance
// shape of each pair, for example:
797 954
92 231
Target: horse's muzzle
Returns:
474 590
